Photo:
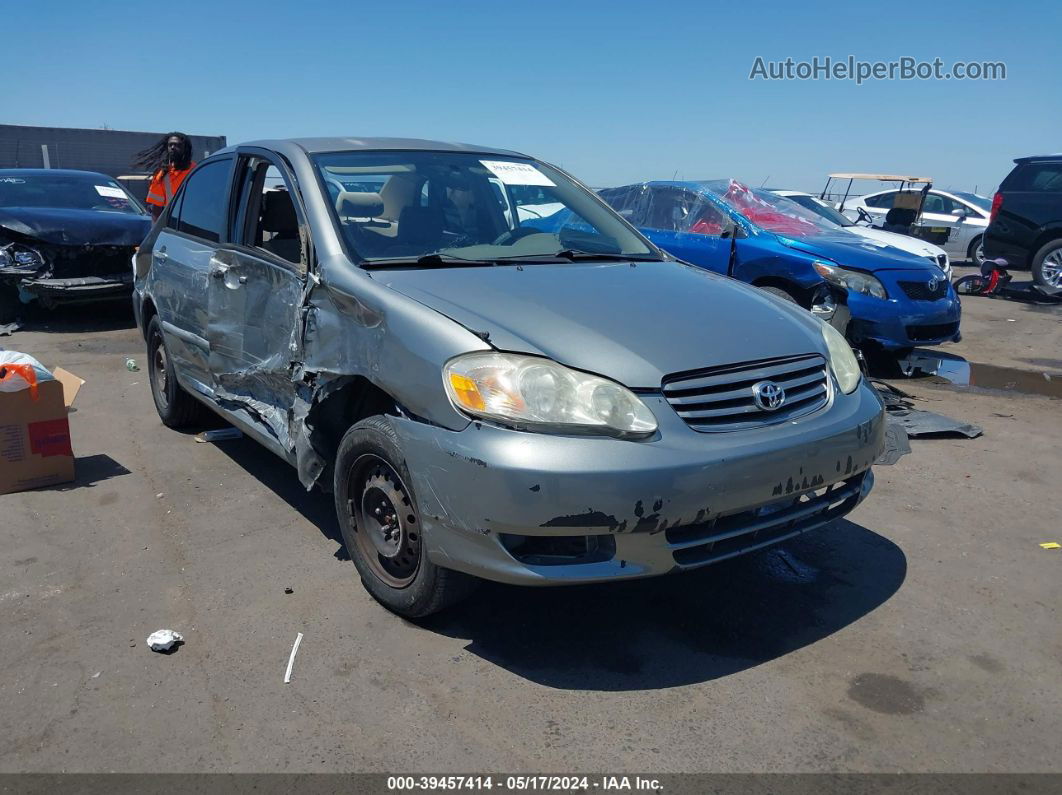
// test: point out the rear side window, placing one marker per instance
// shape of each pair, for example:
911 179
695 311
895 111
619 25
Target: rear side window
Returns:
204 201
882 200
1035 177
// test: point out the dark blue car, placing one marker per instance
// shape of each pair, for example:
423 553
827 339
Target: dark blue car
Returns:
896 300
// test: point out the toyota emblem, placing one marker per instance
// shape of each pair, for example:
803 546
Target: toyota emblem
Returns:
768 395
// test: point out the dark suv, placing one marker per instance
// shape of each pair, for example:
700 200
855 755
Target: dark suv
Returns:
1025 228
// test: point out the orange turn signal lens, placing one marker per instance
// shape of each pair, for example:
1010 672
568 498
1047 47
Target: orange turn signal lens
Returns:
466 392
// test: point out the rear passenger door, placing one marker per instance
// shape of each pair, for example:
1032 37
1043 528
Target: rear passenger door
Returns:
181 264
256 289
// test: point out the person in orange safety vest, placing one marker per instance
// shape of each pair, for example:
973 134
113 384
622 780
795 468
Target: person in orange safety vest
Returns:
169 160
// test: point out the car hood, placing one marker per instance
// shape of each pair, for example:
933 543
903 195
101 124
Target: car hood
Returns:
632 322
912 245
854 251
63 226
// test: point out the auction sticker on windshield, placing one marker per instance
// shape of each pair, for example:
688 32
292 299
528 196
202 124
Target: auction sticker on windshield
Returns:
109 192
517 173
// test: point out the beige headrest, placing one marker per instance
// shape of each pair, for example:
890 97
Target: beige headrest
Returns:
359 205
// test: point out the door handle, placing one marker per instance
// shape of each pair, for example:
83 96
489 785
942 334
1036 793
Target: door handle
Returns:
161 254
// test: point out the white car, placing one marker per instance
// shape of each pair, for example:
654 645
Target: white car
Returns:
912 245
965 213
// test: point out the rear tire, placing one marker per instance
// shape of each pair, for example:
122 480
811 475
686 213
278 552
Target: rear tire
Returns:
176 408
975 253
1047 265
380 522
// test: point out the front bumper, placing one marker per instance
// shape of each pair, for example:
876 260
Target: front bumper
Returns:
678 501
901 322
78 290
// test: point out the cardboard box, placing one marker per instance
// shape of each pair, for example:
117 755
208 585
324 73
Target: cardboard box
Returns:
35 446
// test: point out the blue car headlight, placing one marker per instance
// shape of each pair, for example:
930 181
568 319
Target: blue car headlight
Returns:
851 280
15 258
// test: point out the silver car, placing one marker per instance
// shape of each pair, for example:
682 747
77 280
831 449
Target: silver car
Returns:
540 398
964 214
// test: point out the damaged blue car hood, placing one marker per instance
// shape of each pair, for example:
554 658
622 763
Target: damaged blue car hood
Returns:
69 227
853 251
632 322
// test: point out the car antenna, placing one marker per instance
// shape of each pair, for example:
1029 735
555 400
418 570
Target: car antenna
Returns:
765 180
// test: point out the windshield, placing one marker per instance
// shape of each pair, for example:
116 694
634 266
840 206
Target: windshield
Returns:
820 209
403 206
769 211
66 191
977 201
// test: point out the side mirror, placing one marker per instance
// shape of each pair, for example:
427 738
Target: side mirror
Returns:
961 213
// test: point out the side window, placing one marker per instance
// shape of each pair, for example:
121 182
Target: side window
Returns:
883 201
708 220
935 203
628 202
204 202
672 210
1038 177
175 210
266 219
534 201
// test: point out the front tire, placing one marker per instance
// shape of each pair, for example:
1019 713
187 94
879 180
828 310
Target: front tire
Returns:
1047 266
9 304
176 408
381 526
778 291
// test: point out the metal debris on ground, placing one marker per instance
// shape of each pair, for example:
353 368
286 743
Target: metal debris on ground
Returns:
289 590
900 411
1051 545
291 659
164 639
132 366
219 435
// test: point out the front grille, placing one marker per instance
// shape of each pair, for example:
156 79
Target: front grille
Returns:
721 398
935 331
727 536
926 291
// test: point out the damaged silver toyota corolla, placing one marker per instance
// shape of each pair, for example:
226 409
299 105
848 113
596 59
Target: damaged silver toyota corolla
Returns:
493 372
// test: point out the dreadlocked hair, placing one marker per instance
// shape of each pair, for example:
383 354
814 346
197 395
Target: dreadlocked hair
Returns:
155 156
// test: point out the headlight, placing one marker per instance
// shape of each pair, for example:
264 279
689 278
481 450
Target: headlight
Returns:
20 259
853 281
842 361
539 393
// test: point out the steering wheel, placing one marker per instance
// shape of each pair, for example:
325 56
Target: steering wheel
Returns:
863 215
505 238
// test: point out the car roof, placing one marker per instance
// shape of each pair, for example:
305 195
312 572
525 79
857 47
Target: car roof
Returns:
318 145
41 172
1038 158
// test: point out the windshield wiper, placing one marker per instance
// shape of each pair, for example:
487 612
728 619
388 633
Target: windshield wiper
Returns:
425 261
574 255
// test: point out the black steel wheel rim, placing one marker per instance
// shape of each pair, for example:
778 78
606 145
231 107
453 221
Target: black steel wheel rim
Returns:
158 372
384 520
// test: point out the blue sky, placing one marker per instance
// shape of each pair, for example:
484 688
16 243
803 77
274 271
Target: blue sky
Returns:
613 92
